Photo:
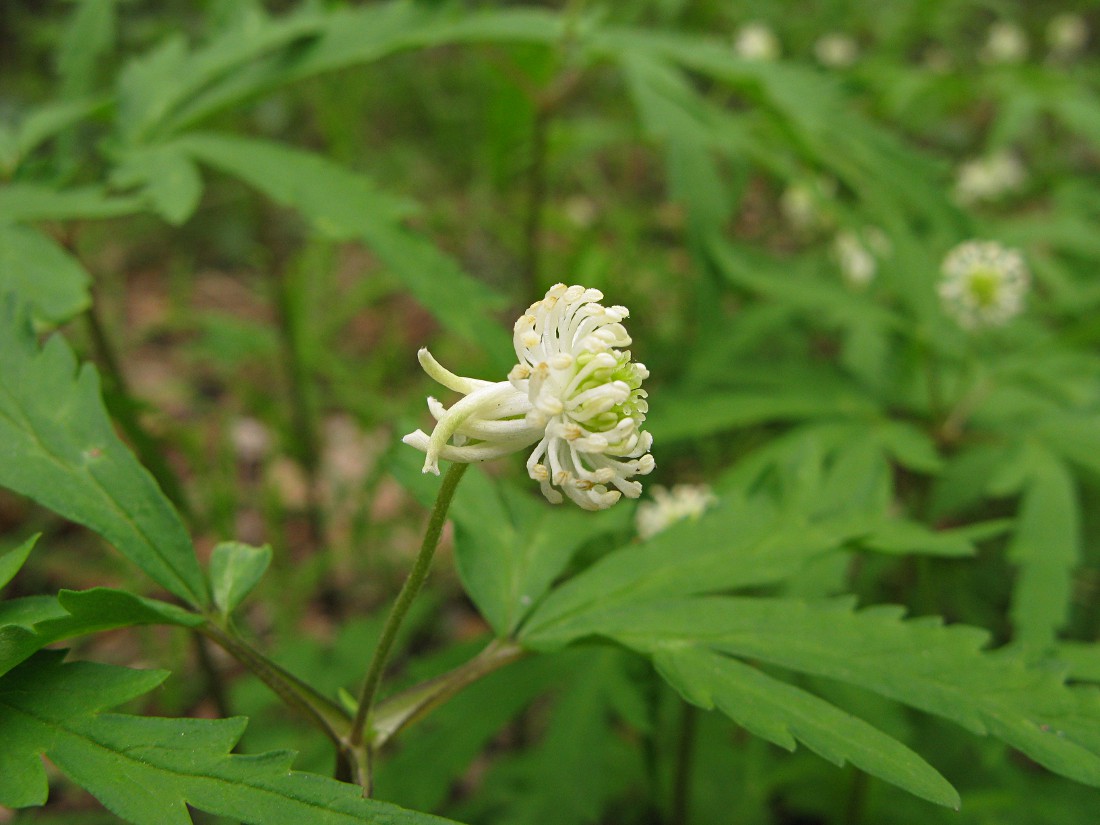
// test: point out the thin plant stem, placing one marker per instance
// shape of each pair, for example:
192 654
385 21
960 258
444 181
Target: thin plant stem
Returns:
400 608
215 687
325 714
857 798
394 714
681 780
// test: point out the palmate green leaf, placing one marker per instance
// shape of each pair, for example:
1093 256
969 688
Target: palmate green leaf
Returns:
29 624
345 205
921 663
42 274
784 714
57 446
149 770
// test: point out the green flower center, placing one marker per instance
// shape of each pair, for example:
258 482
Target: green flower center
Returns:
984 286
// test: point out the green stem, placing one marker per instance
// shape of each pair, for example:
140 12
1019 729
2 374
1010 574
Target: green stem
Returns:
857 797
215 687
681 782
393 715
405 598
325 714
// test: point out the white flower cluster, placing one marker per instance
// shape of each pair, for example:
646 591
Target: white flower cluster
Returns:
1067 35
1005 43
836 50
857 263
804 202
989 178
667 507
756 41
574 395
983 284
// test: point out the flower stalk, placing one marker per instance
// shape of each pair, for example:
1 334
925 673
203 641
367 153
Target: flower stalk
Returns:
409 590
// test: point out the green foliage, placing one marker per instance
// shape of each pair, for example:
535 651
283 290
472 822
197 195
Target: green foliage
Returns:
343 205
35 268
862 447
31 623
579 770
13 559
235 570
149 770
783 714
60 449
509 549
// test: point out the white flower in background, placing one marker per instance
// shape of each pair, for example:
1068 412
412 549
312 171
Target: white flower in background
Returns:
667 507
989 178
573 394
857 264
1067 35
1005 43
756 41
836 50
801 202
983 284
251 439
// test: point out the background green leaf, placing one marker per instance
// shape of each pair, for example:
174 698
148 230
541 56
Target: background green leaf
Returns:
42 274
58 447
